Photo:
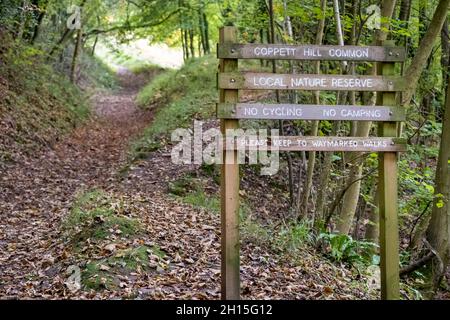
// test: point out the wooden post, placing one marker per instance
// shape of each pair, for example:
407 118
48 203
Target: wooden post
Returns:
388 200
229 187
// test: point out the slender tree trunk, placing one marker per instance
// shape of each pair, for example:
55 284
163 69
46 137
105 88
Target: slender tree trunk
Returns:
351 197
324 178
404 16
22 20
281 125
287 21
96 38
438 233
203 26
191 42
372 229
337 18
322 195
405 10
94 46
423 18
76 56
341 98
445 57
40 20
353 36
182 43
426 46
186 42
315 124
206 23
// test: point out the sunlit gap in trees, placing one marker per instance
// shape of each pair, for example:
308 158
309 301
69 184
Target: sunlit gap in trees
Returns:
142 52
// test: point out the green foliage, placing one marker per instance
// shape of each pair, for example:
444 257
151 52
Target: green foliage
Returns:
293 236
98 73
342 248
190 190
116 57
183 186
157 91
417 186
201 200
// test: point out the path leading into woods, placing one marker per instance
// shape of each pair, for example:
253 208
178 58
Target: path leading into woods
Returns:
38 192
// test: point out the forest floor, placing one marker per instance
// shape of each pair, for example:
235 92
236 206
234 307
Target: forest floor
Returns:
172 253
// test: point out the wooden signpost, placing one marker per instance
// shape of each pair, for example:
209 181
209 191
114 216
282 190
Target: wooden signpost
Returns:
229 110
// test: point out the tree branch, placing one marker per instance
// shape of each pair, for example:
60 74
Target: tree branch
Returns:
131 27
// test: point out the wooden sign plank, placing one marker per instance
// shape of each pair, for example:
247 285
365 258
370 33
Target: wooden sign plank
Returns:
311 52
309 82
309 112
300 143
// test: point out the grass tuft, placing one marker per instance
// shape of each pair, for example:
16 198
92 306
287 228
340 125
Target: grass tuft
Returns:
93 217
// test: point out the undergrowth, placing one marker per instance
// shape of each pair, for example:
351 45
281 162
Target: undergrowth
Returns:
106 239
37 103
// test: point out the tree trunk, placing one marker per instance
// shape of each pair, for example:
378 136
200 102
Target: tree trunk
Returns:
445 57
37 27
351 197
405 10
322 192
204 29
206 24
426 46
94 46
201 27
272 39
186 43
341 97
182 43
76 55
315 124
404 16
22 19
423 18
287 21
337 18
191 42
438 233
372 229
